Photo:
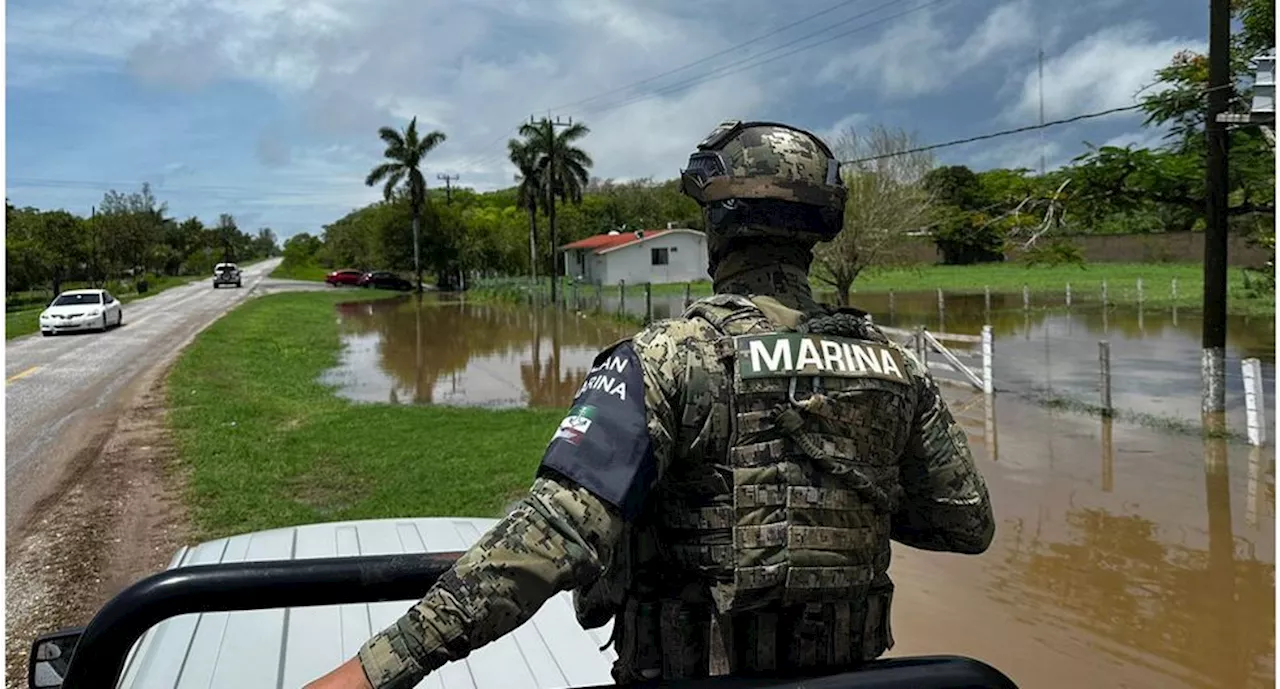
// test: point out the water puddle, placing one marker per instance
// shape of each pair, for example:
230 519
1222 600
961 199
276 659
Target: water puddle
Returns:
1126 556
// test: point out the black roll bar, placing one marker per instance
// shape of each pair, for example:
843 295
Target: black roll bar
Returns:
103 647
100 653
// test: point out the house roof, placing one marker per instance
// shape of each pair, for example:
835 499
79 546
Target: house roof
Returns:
603 243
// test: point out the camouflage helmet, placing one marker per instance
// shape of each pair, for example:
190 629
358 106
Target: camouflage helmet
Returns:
766 178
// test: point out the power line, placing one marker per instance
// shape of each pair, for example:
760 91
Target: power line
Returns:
745 64
705 58
484 158
1005 132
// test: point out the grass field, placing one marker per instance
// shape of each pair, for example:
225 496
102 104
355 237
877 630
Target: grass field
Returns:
27 321
1044 283
262 444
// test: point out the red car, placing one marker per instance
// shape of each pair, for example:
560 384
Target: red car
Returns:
344 277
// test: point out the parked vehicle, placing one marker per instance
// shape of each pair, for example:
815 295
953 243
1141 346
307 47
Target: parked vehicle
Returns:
381 279
81 309
226 274
280 608
346 276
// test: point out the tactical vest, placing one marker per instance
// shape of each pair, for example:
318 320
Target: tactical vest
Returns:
766 545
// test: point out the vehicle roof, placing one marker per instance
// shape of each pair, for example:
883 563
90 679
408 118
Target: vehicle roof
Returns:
80 291
289 647
228 263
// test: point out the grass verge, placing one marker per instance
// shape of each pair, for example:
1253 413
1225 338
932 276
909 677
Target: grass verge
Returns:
263 444
309 271
27 321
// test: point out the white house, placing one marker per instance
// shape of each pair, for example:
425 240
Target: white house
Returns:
656 256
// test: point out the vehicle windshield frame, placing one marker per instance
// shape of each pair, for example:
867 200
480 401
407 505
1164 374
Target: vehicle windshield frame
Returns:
79 299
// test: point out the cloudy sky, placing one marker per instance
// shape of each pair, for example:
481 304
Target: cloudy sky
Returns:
268 109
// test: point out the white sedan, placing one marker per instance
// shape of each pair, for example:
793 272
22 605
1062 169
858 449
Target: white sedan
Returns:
81 309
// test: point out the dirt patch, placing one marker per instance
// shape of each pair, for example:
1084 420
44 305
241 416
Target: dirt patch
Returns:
115 519
329 489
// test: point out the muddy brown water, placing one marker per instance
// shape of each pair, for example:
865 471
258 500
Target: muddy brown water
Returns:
1125 556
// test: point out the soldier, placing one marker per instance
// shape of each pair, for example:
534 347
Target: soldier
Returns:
727 483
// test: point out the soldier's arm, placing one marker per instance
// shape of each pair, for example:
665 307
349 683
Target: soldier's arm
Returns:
946 505
595 475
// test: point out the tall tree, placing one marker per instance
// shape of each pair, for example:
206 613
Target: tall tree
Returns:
405 152
887 199
525 158
562 169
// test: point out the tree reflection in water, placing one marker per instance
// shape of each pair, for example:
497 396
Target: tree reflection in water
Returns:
419 344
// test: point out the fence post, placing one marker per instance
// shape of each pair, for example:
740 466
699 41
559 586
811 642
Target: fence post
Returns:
1104 365
1255 410
577 303
600 296
891 309
1139 291
687 289
1173 288
986 298
942 312
1026 297
1104 294
988 384
921 350
622 297
648 302
1068 295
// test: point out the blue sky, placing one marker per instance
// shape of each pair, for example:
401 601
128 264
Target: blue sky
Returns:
268 109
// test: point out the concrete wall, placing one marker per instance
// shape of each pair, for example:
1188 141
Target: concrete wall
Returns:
1166 247
687 260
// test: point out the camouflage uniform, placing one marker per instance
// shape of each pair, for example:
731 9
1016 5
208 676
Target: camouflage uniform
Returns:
731 518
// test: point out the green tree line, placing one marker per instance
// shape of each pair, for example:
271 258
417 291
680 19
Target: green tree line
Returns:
128 236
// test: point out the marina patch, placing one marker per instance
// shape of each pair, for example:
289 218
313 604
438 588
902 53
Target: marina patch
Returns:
792 354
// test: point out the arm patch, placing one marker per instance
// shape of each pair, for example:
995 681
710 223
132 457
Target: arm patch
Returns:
603 444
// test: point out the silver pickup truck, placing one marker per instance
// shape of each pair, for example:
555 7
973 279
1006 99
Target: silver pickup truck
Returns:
226 274
277 609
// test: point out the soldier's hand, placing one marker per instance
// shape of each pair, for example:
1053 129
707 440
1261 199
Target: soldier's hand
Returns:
349 675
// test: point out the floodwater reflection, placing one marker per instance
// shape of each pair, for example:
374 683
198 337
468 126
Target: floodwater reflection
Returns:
430 352
1141 571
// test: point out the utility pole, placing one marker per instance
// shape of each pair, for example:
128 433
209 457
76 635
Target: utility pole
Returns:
448 189
448 199
1040 69
549 181
1212 362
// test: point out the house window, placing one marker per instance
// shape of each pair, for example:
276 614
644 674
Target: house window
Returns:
658 257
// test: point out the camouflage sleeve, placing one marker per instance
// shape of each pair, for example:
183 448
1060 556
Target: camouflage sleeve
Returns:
597 471
945 506
558 537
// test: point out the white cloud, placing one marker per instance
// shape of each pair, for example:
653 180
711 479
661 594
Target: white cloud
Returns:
1102 71
918 55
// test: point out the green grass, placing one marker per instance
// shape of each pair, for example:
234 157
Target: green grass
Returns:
313 272
26 321
262 444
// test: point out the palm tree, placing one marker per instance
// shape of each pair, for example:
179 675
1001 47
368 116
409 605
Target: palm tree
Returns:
562 169
525 158
404 155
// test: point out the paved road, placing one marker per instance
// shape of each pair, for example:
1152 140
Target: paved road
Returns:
61 392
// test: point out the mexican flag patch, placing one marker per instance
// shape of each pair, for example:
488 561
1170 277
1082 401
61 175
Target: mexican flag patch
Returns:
575 425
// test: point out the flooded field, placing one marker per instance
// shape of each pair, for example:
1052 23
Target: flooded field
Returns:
1048 350
1125 556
